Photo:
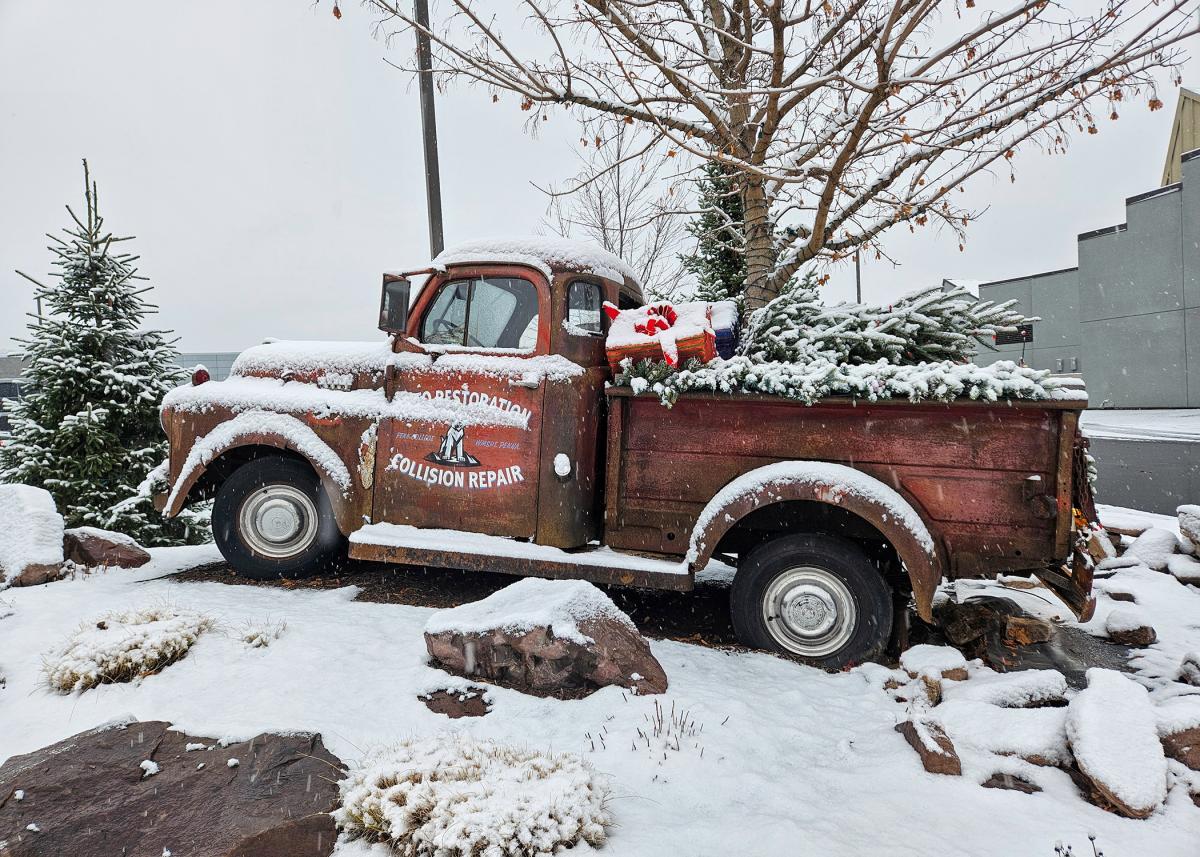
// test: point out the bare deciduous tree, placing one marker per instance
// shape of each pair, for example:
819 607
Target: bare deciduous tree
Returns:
622 201
842 118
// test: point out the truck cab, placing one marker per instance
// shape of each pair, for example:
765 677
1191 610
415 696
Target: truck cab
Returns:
524 342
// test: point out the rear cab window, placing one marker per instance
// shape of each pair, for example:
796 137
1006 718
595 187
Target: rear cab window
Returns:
584 315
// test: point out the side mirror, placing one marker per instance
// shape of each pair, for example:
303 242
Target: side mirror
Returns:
393 304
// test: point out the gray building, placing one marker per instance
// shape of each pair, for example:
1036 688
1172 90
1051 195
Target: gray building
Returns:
218 363
1128 317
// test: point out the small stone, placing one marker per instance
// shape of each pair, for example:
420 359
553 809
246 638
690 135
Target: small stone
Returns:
1120 595
1011 782
933 689
1184 747
1184 568
1027 630
936 661
933 745
1129 627
456 703
38 573
1189 523
232 763
1189 669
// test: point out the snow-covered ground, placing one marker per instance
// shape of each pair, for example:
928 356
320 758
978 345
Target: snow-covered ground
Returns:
786 759
1164 424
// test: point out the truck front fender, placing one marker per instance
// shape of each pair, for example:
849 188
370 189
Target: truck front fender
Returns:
258 428
835 484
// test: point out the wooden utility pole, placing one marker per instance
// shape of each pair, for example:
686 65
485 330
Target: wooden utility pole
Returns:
433 181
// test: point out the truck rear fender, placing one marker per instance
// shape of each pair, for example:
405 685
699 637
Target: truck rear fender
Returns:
835 484
259 428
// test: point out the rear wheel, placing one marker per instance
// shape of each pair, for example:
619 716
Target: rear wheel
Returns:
272 519
817 598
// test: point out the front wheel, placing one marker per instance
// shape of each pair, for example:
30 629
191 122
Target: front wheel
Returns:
817 598
272 519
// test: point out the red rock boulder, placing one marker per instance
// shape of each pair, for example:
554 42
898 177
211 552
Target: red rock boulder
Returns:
90 547
545 637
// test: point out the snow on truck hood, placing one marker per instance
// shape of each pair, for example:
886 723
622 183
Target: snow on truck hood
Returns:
256 383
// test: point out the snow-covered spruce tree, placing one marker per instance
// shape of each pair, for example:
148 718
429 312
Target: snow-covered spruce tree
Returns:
719 263
88 429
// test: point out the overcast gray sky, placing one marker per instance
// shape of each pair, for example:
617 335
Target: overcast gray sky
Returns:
268 161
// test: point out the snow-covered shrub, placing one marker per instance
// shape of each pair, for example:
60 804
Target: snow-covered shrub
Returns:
453 795
259 636
122 646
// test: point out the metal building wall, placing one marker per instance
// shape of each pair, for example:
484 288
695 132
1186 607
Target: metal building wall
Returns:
1128 318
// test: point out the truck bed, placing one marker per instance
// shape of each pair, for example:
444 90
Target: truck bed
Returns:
965 466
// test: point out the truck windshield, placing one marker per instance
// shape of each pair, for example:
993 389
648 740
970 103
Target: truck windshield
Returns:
483 312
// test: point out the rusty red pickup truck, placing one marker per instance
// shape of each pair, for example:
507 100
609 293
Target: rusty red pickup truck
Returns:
485 434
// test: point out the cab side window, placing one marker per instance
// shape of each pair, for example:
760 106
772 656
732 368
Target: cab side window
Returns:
584 316
484 312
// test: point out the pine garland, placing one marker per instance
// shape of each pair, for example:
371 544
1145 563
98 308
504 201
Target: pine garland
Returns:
87 429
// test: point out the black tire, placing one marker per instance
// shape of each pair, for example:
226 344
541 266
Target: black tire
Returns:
820 580
294 489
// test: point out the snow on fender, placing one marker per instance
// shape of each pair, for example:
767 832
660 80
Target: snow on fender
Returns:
297 435
833 484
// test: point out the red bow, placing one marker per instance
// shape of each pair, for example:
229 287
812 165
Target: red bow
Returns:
659 317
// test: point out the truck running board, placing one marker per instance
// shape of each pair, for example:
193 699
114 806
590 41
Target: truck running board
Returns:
400 543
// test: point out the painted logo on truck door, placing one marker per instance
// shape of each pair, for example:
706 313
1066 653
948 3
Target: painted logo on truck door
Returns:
450 465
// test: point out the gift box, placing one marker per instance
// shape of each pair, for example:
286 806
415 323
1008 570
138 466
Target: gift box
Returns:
675 333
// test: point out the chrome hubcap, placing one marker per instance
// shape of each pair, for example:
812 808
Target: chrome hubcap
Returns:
809 611
278 521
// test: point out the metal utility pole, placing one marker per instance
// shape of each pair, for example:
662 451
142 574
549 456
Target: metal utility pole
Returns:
433 181
857 279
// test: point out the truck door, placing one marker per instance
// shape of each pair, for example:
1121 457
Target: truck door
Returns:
462 445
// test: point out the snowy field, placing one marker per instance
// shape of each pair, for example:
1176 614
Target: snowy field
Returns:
787 759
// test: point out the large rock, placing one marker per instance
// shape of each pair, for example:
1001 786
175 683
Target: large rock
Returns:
1154 547
993 628
545 637
137 790
90 547
31 536
1113 735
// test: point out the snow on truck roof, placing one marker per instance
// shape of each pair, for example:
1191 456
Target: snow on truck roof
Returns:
546 254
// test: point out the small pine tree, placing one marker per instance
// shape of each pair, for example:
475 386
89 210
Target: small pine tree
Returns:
88 429
719 263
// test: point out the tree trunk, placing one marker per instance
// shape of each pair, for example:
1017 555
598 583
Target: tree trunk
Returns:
760 250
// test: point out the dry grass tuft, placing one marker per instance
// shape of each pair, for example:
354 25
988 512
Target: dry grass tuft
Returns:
122 646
